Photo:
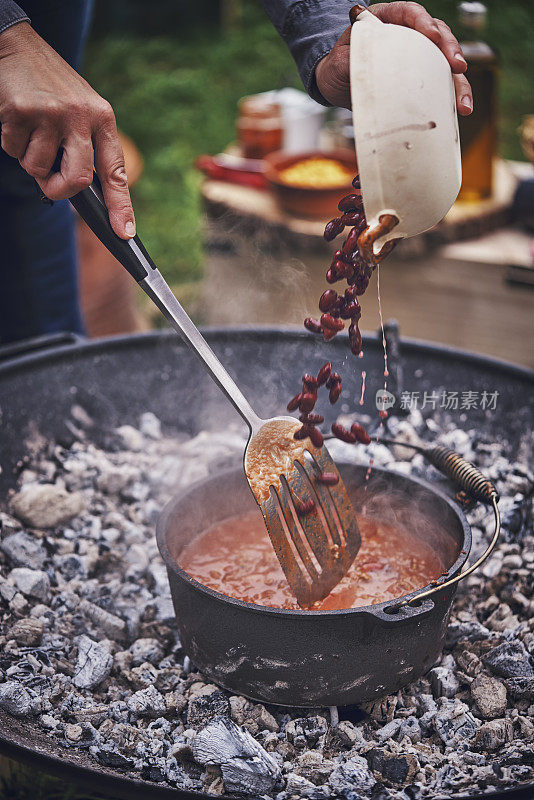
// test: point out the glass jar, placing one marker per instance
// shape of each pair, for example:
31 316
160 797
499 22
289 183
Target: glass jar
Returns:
259 126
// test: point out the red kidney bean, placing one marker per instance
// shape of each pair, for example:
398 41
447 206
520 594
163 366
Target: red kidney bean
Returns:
294 403
334 378
324 373
334 393
360 433
332 276
350 293
316 436
301 433
383 414
328 334
351 218
312 325
328 299
312 418
327 478
351 242
342 433
352 310
356 182
355 338
307 402
328 321
333 228
309 383
352 202
303 507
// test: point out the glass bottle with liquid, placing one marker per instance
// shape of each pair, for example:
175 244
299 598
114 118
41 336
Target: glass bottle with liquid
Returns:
478 131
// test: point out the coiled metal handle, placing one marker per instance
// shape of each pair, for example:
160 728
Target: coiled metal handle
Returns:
462 472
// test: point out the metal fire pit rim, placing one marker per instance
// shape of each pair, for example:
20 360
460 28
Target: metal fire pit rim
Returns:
377 610
76 344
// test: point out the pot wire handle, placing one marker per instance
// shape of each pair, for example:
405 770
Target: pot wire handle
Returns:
474 484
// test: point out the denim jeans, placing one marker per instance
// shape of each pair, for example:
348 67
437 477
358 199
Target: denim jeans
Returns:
38 262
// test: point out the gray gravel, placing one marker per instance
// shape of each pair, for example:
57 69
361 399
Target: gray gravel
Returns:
90 653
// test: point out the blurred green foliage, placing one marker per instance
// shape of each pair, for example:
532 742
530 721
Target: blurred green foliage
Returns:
175 94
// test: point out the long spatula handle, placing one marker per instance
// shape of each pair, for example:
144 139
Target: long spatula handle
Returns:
89 204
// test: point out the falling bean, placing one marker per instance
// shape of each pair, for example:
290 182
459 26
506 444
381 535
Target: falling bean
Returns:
360 433
301 433
316 436
355 338
329 334
356 182
351 218
327 478
334 393
309 382
352 202
324 373
312 325
351 310
334 378
328 299
333 228
313 419
342 433
303 507
307 402
294 403
328 321
351 242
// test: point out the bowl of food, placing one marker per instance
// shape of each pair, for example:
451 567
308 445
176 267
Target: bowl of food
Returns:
310 184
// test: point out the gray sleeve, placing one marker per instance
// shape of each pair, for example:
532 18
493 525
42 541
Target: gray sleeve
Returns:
310 28
10 13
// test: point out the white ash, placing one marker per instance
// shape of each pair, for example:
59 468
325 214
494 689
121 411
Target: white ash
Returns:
90 653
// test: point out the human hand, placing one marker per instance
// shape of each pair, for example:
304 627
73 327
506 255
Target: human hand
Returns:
332 73
45 105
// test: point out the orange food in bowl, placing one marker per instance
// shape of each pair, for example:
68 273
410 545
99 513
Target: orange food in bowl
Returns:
316 173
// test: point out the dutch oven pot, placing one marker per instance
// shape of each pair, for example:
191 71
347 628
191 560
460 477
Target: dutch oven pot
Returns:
311 658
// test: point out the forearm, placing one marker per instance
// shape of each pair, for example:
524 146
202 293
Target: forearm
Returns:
310 28
10 14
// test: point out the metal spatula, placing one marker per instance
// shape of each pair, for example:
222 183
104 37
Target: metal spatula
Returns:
312 526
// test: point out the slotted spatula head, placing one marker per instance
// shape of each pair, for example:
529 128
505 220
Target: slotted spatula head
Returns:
315 544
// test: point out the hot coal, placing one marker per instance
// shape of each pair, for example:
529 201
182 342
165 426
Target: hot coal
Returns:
90 654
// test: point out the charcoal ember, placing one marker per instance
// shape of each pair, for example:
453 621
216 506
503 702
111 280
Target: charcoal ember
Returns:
510 660
31 582
298 786
453 722
411 728
382 710
306 731
520 688
259 719
348 734
27 632
146 649
245 765
312 765
443 681
142 676
493 735
489 695
46 505
93 665
23 550
206 705
72 565
388 731
397 769
472 631
146 703
17 700
113 759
